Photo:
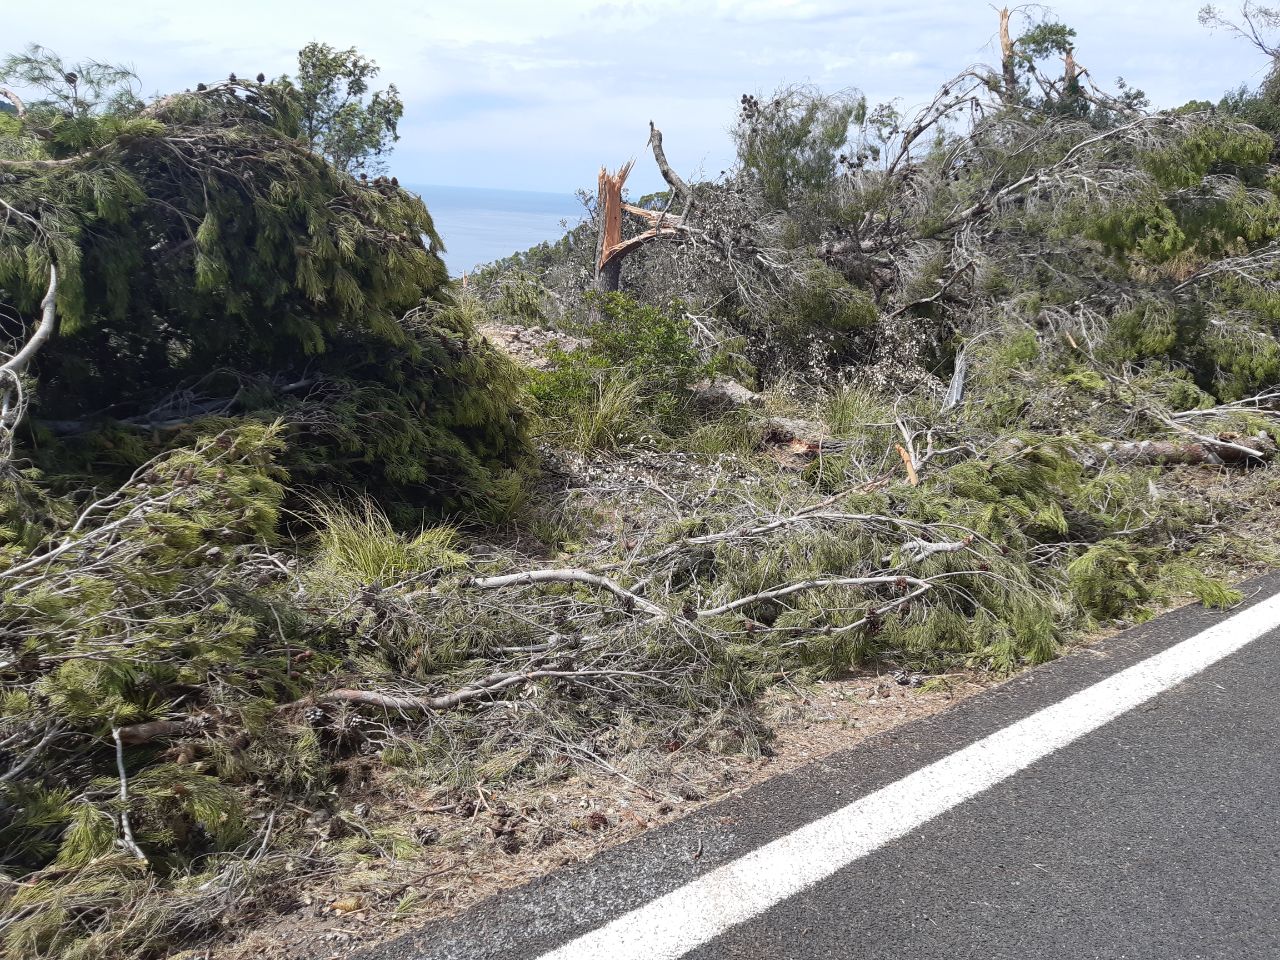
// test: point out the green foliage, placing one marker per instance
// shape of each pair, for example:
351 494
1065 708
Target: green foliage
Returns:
1228 357
1183 217
632 377
341 120
1259 108
790 142
134 607
826 301
848 410
1045 40
70 93
332 306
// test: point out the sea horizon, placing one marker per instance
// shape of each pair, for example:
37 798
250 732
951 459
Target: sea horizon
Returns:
481 224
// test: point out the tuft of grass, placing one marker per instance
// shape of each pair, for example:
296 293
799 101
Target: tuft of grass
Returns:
357 542
736 433
848 409
604 416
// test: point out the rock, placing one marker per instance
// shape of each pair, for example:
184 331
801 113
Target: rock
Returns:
529 346
792 430
724 393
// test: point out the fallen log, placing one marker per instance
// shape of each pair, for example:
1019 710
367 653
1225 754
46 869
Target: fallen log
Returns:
1229 450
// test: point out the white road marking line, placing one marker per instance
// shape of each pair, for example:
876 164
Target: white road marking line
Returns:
674 924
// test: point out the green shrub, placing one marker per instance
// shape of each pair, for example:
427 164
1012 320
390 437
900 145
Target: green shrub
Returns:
789 142
630 379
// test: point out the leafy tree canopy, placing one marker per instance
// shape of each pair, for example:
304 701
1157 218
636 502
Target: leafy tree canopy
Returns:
341 120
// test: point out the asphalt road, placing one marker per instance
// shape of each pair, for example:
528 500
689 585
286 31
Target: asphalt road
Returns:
1152 831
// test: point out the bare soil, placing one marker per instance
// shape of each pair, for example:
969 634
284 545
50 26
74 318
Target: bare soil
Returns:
477 844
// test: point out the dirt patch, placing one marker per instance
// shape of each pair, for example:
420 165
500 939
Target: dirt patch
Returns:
484 841
529 346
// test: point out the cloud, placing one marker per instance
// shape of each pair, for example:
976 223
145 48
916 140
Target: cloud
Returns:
525 95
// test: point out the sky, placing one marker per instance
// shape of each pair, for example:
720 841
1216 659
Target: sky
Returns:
532 95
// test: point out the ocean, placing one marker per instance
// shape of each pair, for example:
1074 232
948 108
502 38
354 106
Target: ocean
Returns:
479 225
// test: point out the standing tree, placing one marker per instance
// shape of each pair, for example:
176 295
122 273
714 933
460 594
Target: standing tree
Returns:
341 120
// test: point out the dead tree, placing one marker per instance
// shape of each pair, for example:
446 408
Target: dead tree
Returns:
1008 59
611 249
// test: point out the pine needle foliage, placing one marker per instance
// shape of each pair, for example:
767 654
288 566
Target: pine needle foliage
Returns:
198 233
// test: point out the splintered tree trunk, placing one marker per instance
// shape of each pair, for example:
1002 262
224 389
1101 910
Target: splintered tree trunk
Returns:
1071 69
609 210
1071 73
611 249
1007 63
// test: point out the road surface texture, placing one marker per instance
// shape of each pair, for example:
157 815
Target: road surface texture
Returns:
1121 802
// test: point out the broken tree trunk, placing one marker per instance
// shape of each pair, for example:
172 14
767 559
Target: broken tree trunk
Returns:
1007 60
1070 69
611 249
668 174
609 210
1227 451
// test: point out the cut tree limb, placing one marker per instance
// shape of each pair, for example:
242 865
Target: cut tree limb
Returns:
1196 453
126 840
448 701
818 583
141 733
955 389
12 402
912 477
48 320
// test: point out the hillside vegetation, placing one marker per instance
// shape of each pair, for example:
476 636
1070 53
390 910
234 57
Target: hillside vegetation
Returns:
921 391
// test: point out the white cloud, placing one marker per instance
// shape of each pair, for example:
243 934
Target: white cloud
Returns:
537 95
